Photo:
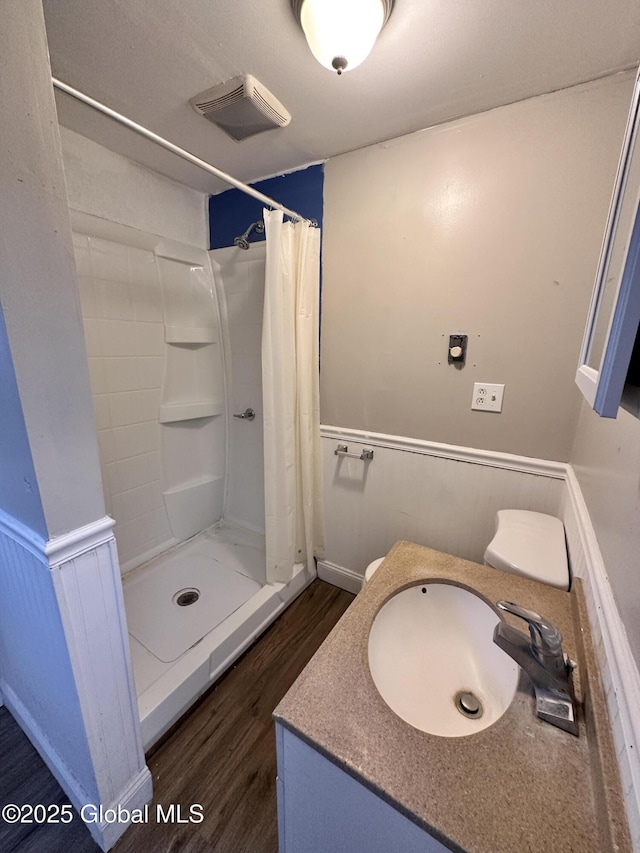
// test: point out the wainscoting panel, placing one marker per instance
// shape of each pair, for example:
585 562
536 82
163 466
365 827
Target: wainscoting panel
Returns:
92 608
440 496
618 670
36 675
65 665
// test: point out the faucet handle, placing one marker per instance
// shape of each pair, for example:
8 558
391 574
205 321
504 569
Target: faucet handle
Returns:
545 637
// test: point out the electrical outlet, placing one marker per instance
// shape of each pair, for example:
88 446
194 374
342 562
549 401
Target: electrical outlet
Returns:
487 398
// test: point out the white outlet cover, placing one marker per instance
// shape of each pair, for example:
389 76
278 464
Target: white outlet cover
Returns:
487 397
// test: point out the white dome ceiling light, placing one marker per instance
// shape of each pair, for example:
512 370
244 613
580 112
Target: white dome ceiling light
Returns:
342 33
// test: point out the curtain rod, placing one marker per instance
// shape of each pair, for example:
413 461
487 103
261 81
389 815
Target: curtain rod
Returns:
164 143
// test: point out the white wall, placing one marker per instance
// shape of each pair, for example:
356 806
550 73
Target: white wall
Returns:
38 286
490 226
113 187
441 496
606 459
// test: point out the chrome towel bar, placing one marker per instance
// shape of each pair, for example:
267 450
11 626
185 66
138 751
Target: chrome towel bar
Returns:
248 414
343 450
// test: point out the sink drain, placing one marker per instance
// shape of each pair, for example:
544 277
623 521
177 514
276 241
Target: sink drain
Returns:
185 597
468 704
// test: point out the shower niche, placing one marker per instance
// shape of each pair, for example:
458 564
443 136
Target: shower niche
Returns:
152 331
191 400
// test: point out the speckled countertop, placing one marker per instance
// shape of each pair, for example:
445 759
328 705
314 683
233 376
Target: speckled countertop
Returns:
519 785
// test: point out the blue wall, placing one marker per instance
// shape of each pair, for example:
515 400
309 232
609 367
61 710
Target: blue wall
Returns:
231 212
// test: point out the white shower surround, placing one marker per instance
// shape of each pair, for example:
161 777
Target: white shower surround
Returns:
157 308
151 329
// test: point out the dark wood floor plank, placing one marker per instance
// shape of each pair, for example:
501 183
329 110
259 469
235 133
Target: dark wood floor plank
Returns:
25 779
224 755
221 756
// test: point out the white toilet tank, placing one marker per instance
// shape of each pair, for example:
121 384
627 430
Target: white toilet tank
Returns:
372 568
531 544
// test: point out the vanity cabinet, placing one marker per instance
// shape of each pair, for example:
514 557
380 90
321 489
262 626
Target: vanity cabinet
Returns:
321 808
353 777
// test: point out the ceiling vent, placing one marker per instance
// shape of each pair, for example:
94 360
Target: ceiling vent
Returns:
242 107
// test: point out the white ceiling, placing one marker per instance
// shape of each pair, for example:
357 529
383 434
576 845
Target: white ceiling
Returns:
435 60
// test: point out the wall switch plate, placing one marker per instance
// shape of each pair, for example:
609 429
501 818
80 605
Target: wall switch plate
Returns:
487 398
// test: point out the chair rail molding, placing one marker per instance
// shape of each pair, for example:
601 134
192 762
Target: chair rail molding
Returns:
492 458
69 546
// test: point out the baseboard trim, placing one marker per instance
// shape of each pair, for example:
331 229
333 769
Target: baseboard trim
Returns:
617 662
135 796
339 576
476 456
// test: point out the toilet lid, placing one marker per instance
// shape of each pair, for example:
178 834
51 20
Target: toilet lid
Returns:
530 544
372 568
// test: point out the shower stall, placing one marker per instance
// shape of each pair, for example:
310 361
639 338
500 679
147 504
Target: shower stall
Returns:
173 339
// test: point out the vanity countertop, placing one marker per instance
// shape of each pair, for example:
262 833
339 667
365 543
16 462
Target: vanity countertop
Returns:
520 784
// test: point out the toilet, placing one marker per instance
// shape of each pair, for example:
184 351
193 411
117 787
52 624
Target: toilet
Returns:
530 544
371 568
526 543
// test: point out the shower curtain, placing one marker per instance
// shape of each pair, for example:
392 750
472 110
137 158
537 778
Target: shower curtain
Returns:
290 367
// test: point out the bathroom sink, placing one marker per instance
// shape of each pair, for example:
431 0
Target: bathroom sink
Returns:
434 662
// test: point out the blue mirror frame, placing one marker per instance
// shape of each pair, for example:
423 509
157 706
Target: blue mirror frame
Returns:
618 267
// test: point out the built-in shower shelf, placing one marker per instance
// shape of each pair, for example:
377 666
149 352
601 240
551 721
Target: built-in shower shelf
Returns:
174 412
194 505
190 335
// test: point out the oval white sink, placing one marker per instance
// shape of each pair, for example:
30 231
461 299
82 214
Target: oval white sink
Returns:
433 660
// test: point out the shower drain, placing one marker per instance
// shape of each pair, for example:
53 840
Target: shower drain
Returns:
185 597
468 704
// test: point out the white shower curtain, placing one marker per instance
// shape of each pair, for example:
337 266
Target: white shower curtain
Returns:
291 406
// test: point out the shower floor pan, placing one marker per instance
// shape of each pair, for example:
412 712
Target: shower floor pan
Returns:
179 648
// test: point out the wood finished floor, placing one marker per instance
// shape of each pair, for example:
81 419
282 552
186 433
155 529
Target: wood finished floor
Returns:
221 757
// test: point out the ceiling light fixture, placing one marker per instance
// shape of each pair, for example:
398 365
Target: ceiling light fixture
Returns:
341 33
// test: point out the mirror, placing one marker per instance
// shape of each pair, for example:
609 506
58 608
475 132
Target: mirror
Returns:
614 312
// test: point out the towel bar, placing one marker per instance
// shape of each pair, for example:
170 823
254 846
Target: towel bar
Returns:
343 450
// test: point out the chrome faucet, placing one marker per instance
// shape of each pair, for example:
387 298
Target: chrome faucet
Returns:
542 658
